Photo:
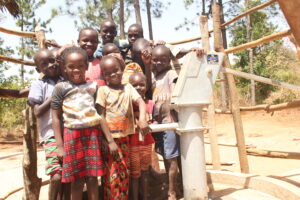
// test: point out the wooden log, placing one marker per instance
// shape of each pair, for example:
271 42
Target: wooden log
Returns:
260 79
273 154
16 60
248 12
18 33
222 163
274 36
40 37
46 182
211 107
228 22
219 111
292 15
272 108
32 183
233 93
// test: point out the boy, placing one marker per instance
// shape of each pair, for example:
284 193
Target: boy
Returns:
108 32
39 99
167 142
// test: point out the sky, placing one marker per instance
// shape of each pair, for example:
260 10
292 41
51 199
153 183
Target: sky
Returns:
64 31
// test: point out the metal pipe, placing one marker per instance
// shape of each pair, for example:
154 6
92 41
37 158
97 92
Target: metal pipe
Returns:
163 127
192 154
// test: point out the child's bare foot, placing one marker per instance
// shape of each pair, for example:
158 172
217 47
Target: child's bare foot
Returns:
172 196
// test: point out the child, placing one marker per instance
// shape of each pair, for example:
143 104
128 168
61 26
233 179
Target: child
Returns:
108 32
114 102
167 142
140 150
39 99
135 31
88 40
110 48
80 144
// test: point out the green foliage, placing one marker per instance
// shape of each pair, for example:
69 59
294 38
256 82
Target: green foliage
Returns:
90 13
261 26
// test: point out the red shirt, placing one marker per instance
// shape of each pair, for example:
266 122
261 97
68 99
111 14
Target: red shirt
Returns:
148 139
94 72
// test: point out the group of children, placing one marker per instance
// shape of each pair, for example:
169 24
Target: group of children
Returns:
94 104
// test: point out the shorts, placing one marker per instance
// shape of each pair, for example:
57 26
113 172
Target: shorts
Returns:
140 159
167 144
53 164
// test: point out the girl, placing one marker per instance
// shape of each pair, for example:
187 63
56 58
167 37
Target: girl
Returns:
140 149
114 102
88 40
79 146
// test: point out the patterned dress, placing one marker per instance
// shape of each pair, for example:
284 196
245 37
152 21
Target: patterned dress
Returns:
119 116
82 135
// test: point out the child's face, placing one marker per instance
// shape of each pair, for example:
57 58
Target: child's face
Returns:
112 72
88 40
133 34
75 67
160 59
108 32
47 64
139 83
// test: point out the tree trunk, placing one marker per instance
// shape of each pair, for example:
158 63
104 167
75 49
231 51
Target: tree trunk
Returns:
249 38
148 5
121 15
137 12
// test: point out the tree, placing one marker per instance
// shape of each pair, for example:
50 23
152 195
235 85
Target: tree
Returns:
260 27
27 22
137 11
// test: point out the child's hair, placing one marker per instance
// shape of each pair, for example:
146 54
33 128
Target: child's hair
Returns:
109 21
73 49
139 27
111 57
137 74
87 29
109 48
139 45
37 55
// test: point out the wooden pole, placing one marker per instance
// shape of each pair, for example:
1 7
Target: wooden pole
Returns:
18 33
238 124
16 60
211 108
273 154
229 22
260 79
269 38
32 183
291 12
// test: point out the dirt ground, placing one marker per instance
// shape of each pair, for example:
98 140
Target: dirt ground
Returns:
278 131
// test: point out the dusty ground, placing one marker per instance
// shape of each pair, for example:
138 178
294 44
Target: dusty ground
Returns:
280 131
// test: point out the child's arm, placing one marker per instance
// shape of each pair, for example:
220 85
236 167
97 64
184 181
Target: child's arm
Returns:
143 124
39 110
113 148
57 128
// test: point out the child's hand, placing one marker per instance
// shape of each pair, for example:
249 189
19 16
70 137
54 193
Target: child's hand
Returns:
146 57
200 52
144 127
160 42
113 148
60 152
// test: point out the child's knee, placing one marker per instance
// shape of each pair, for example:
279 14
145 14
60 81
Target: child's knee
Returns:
56 178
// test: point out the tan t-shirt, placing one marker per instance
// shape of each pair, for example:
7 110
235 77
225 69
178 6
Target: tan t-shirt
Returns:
118 107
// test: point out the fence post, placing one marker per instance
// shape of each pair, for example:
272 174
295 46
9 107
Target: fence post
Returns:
215 154
32 183
233 93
